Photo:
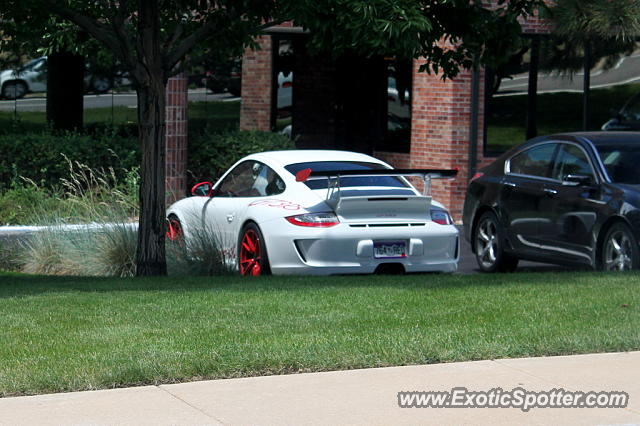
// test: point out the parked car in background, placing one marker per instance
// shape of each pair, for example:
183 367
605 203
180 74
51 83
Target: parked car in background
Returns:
628 118
320 212
570 199
32 77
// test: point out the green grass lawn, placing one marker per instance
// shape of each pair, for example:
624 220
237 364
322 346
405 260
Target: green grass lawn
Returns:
557 112
218 115
64 334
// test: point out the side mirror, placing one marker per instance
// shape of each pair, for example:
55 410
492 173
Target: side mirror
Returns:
578 180
202 189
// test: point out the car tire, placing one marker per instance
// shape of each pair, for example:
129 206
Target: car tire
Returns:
252 252
488 241
619 250
100 84
14 90
175 232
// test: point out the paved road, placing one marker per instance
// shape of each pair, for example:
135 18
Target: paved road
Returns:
627 70
38 102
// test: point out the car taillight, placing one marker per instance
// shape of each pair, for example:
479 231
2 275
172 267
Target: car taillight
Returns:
315 220
477 175
441 217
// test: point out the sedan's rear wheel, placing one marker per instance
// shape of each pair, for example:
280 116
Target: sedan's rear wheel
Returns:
488 244
620 249
252 252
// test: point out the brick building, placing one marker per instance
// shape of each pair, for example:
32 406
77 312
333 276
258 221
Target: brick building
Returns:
344 104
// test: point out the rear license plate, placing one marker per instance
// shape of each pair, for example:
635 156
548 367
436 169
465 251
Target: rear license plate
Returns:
389 249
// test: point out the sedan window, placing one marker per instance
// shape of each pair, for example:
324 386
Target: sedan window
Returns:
571 161
535 161
621 162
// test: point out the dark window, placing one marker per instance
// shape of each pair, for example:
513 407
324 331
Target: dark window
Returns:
251 179
397 137
534 161
386 181
571 160
621 162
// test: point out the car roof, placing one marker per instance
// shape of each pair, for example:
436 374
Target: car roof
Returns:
601 138
284 158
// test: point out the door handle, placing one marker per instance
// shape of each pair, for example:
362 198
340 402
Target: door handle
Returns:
550 191
230 217
510 184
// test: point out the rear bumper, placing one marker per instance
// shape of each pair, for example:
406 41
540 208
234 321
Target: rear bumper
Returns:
344 249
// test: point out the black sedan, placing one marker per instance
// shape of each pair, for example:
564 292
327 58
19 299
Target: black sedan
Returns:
569 199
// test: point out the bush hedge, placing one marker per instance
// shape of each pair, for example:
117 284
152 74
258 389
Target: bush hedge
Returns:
40 156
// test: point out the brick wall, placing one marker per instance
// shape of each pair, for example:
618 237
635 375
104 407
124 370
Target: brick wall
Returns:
176 138
255 109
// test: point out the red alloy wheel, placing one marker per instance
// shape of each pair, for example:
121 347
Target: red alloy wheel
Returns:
174 230
250 254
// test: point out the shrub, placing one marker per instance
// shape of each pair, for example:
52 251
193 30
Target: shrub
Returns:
26 204
212 154
200 255
46 253
38 155
85 195
9 256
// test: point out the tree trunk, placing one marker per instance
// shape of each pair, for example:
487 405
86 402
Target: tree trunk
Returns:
586 85
65 90
532 91
151 232
150 256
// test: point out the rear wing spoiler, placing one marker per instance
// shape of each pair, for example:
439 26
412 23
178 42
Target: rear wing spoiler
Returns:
333 176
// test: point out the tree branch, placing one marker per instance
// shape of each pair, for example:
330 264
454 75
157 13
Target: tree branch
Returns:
174 37
118 25
101 32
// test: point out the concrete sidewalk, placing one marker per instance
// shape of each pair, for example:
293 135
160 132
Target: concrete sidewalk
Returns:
366 396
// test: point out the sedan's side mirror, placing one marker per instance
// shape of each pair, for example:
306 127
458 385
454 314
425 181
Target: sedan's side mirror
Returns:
202 189
578 180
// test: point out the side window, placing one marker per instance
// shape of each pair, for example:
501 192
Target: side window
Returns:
268 182
535 161
251 179
239 181
571 161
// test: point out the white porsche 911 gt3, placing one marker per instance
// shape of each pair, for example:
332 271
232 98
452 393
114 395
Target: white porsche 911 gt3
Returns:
321 212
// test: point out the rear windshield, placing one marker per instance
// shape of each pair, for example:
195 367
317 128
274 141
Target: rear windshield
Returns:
386 181
621 162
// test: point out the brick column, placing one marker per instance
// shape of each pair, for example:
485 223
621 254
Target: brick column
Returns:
176 137
441 118
255 109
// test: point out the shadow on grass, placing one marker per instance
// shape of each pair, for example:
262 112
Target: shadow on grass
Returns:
18 284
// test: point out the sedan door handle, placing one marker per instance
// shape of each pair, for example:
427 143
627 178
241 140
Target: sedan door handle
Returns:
510 184
230 217
550 191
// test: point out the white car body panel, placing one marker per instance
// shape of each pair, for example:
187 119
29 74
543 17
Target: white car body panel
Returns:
341 249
